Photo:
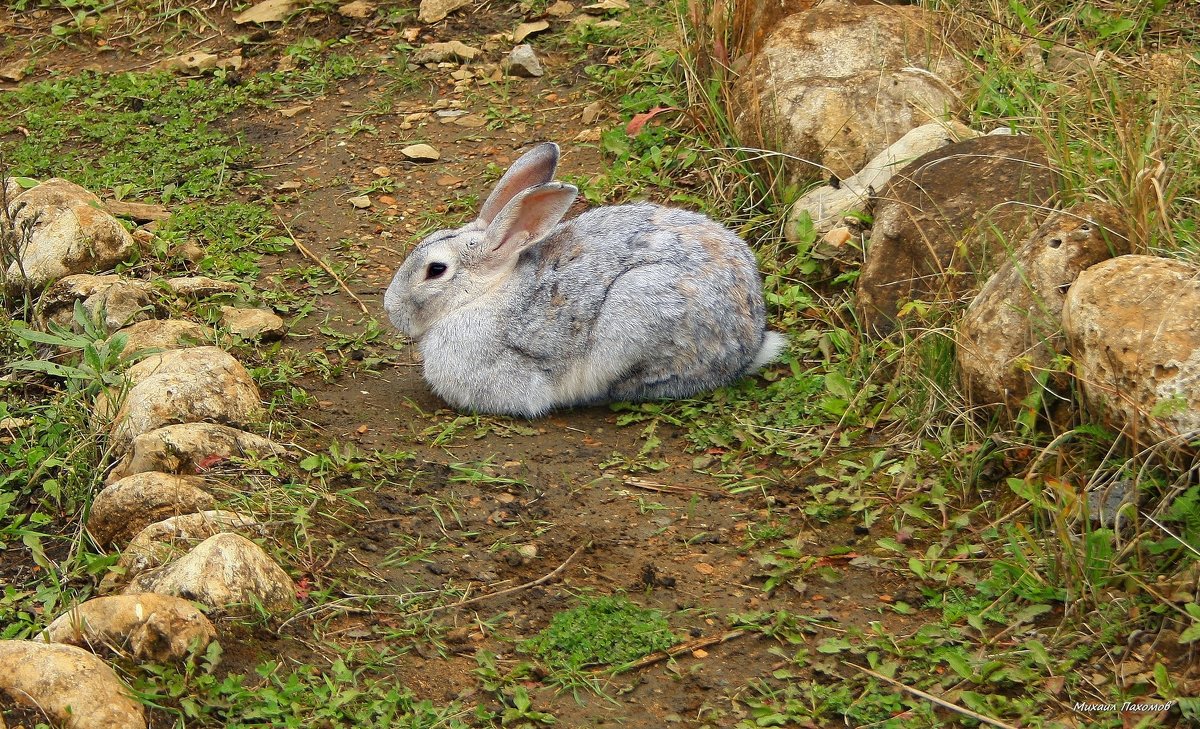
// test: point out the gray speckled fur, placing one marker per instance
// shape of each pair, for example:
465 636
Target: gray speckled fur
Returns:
634 302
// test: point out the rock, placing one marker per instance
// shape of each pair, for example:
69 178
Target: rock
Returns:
69 232
1133 330
827 205
835 85
361 202
270 11
124 508
227 572
605 6
198 384
441 52
524 30
198 287
146 627
754 19
431 11
523 62
14 71
252 323
357 10
138 212
122 301
74 688
937 222
1012 332
190 448
421 153
169 539
560 9
159 334
194 62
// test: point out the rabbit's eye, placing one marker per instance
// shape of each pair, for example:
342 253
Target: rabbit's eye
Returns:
434 270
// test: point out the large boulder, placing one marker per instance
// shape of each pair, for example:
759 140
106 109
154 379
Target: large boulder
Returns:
1011 333
122 301
124 508
170 539
72 687
827 205
190 448
68 231
145 627
160 334
940 222
227 572
835 85
1133 330
198 384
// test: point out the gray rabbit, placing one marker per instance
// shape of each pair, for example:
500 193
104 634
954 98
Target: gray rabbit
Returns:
518 312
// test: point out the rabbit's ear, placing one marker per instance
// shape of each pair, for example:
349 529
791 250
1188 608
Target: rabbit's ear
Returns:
527 219
535 167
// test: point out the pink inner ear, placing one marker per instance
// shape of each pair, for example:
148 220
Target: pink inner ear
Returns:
535 167
529 217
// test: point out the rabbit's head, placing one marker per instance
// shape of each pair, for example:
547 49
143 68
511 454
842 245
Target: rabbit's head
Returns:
451 269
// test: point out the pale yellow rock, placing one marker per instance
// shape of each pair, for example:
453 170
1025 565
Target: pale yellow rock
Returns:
189 448
74 688
146 627
125 507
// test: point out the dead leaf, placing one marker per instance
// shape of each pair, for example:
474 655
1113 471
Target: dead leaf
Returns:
638 121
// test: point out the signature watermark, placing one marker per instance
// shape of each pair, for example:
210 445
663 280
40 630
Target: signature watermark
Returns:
1132 706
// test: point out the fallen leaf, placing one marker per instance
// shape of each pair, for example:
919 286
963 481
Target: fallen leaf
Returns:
638 121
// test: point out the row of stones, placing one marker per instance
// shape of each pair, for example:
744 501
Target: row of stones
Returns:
868 93
181 410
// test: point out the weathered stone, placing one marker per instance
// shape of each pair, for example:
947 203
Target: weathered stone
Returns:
227 572
124 508
74 688
145 627
198 384
357 10
269 11
159 334
440 52
170 539
68 232
123 301
560 9
828 204
522 61
1012 332
194 62
1133 330
200 286
431 11
15 71
190 448
939 222
139 212
421 153
252 323
834 86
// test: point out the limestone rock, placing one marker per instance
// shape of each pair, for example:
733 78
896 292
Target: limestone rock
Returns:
431 11
226 572
187 448
123 301
560 9
198 384
448 51
123 508
522 61
835 85
827 205
421 153
158 334
146 627
69 232
269 11
1133 330
252 323
938 221
171 538
357 10
194 62
199 287
74 688
1012 331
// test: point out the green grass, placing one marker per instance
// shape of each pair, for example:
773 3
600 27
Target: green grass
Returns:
601 631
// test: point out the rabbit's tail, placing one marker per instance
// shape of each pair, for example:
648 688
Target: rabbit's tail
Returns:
772 346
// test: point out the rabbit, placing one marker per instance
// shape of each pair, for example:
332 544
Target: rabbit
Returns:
518 313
